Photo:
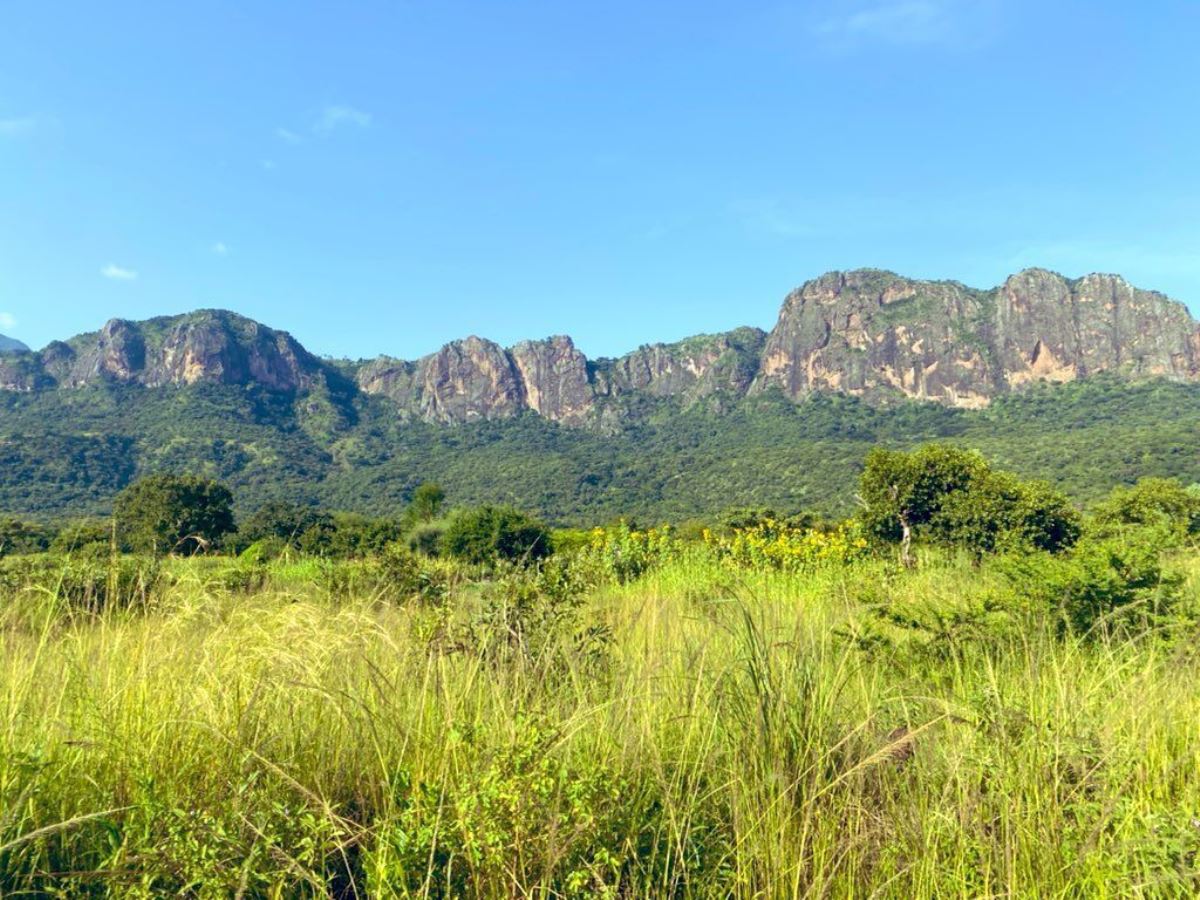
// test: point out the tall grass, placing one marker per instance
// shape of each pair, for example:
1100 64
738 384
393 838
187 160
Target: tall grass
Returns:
695 732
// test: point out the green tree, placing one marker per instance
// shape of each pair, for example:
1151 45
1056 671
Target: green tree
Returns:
426 502
17 536
173 514
902 492
490 533
954 497
998 511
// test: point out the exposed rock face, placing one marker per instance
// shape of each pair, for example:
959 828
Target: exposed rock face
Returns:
554 378
209 346
691 369
477 379
879 335
867 333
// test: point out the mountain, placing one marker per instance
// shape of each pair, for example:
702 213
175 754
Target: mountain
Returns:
8 344
865 333
1088 382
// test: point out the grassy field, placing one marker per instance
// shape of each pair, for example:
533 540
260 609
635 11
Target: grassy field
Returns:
699 730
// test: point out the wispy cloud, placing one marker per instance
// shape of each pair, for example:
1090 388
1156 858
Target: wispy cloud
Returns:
14 128
118 273
7 321
906 22
288 136
220 248
333 117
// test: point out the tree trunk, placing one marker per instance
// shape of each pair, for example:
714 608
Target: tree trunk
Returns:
906 544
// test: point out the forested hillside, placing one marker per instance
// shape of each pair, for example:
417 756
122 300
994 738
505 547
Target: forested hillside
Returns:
66 453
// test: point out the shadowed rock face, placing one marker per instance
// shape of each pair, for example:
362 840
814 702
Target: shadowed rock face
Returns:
868 333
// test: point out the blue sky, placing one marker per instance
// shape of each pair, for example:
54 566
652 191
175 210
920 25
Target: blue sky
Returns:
381 177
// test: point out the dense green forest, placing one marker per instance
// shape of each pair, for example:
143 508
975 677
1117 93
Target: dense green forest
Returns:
67 452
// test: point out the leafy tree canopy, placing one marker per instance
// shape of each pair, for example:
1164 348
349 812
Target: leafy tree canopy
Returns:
173 514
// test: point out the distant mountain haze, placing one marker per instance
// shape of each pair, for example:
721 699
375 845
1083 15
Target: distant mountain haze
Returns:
866 333
8 344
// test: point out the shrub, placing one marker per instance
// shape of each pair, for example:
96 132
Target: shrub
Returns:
296 525
426 538
1152 501
1101 586
491 533
625 553
22 537
84 537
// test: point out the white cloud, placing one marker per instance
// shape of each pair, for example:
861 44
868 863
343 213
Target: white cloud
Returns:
332 117
911 22
288 136
220 248
7 321
117 273
14 128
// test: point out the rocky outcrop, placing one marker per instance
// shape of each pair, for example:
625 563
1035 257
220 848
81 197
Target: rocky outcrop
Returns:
867 333
881 336
691 369
554 379
206 346
477 379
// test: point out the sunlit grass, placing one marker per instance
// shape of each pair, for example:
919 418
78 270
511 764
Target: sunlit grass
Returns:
731 737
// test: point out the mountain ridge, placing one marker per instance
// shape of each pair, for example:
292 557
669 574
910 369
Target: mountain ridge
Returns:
9 345
868 333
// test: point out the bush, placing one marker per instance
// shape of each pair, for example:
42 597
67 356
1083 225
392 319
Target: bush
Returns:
296 525
1152 501
1101 586
491 533
22 537
426 538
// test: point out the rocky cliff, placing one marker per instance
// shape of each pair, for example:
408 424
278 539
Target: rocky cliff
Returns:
205 346
882 336
867 333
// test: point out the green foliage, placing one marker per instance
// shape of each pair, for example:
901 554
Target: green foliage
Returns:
17 536
426 502
1102 586
954 497
173 514
515 803
86 537
301 527
491 533
1162 502
67 452
427 538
